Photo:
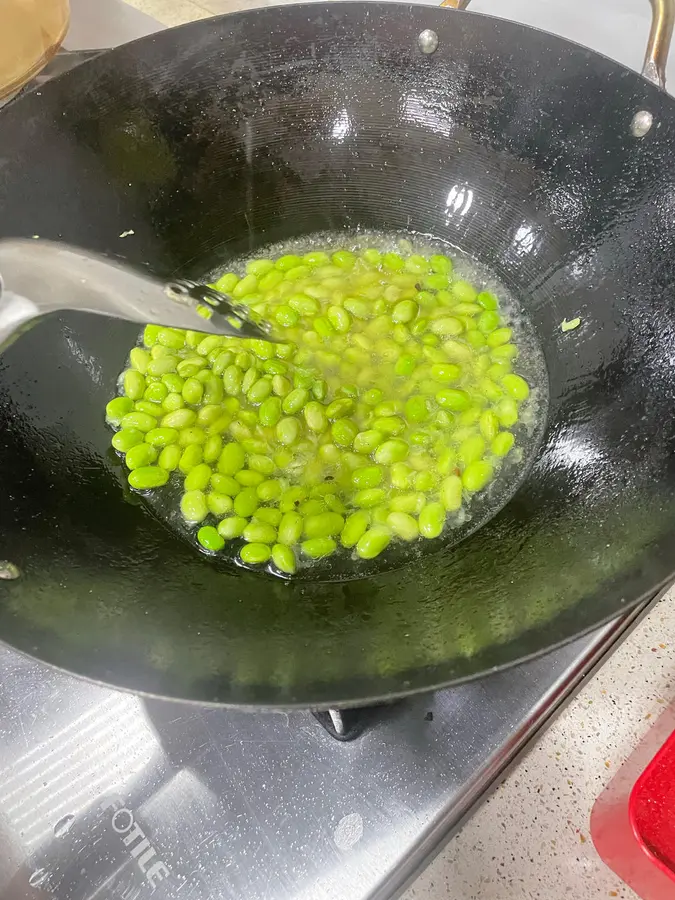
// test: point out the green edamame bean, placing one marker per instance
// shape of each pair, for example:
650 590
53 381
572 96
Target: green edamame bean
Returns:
431 520
193 435
343 432
424 481
147 477
219 505
287 431
506 411
317 548
127 438
290 528
373 542
367 477
315 416
449 326
284 558
325 524
471 449
516 386
502 443
141 455
367 441
411 502
389 425
179 419
403 525
190 457
372 397
210 539
451 493
162 437
255 554
193 506
404 312
232 527
213 446
139 359
259 390
446 373
453 399
162 366
246 502
369 497
477 475
294 401
134 384
232 379
198 478
339 408
416 408
269 490
499 337
269 514
249 478
225 484
339 318
269 413
260 533
231 459
390 452
172 338
291 499
354 527
360 309
156 392
117 409
169 458
488 321
139 421
151 409
281 386
173 402
487 300
260 463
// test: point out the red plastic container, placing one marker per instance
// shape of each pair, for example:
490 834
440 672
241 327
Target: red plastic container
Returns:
633 820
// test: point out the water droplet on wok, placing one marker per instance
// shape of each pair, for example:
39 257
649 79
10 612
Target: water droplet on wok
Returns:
63 826
38 877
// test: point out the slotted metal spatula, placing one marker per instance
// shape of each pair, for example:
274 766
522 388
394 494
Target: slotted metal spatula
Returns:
39 277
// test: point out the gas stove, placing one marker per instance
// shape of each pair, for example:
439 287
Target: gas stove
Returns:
105 794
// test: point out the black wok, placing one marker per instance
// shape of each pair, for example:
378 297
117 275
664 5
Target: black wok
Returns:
219 137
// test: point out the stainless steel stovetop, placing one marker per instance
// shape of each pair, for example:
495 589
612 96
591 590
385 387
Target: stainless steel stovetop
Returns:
107 795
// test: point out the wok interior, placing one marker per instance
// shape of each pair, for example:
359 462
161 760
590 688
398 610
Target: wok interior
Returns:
218 138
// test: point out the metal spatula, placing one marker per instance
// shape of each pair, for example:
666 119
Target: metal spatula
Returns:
39 277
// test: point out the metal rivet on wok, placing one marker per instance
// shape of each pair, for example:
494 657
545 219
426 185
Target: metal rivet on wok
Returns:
427 41
642 123
8 571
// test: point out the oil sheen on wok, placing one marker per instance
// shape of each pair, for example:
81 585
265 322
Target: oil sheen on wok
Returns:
397 413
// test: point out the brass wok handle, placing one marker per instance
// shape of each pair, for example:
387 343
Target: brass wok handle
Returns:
658 44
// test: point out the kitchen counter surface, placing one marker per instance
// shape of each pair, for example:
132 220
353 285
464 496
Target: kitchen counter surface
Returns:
530 840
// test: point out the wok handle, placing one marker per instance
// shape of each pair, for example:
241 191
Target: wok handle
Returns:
658 44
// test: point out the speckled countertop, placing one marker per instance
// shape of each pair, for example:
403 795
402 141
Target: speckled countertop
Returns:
531 840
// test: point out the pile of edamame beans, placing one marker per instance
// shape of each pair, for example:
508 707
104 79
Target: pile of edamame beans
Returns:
389 402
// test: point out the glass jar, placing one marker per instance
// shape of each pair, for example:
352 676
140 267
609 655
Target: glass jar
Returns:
31 31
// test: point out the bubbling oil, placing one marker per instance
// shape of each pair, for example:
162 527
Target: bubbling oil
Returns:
476 508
